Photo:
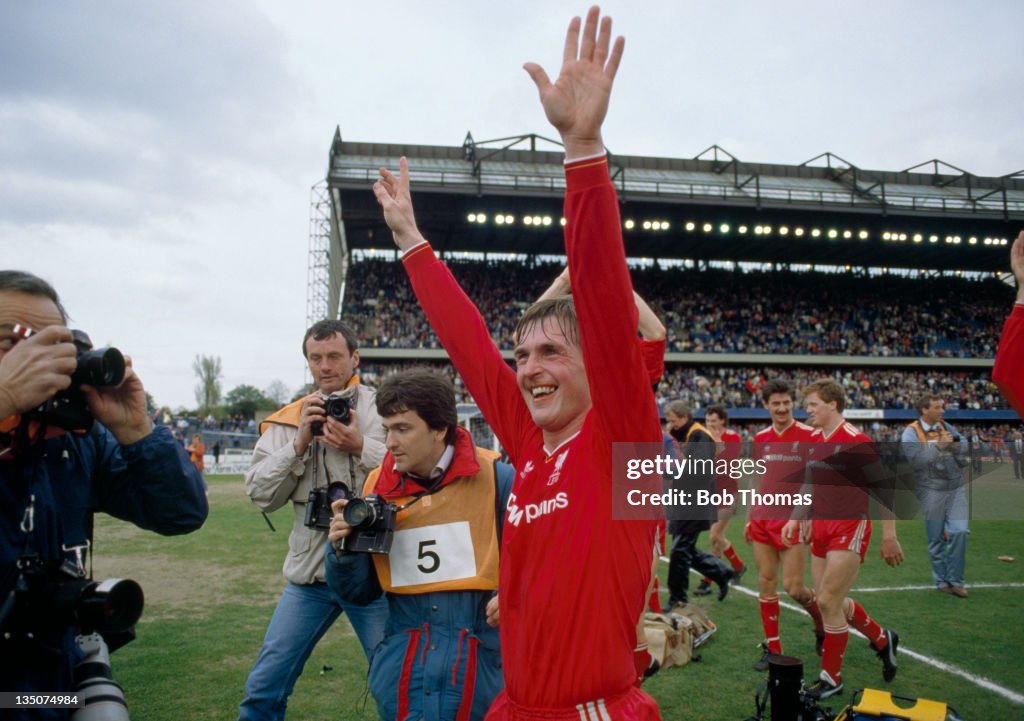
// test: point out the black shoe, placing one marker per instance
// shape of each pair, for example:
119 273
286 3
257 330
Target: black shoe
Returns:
672 603
761 665
819 642
822 689
888 655
704 589
723 585
652 668
738 574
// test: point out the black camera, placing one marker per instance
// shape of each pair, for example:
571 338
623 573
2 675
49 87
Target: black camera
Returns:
337 407
99 367
373 524
318 504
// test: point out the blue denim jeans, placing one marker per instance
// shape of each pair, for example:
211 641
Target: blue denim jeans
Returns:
302 617
945 525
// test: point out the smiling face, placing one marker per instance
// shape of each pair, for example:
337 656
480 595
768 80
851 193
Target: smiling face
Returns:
415 447
714 423
552 379
330 362
780 406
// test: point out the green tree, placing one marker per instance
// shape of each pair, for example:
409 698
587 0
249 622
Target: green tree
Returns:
277 391
245 400
208 371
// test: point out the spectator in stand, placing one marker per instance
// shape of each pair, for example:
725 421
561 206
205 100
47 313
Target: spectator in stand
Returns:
911 318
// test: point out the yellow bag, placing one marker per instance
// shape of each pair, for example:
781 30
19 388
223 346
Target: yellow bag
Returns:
875 704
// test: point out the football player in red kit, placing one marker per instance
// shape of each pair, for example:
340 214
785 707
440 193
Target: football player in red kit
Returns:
1008 371
729 444
783 447
841 464
568 625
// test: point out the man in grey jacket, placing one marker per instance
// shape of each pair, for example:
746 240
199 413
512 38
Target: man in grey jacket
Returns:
937 454
334 435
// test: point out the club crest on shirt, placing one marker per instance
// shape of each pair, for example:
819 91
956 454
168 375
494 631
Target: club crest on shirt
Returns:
557 471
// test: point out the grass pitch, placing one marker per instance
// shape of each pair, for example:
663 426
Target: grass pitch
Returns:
210 594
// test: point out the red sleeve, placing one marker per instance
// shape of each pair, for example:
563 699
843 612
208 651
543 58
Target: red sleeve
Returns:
733 445
653 352
1008 371
619 388
464 334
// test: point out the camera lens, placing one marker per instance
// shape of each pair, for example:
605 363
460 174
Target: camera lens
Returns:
101 367
358 513
112 605
338 409
336 491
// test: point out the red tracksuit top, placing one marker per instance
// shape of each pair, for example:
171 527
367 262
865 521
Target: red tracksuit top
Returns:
573 582
1008 371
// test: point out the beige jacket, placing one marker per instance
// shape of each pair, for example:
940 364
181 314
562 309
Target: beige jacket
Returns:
277 476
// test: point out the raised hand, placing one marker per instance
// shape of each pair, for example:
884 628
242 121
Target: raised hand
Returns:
34 369
396 201
121 409
1017 264
577 102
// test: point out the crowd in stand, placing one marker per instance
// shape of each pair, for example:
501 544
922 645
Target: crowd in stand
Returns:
718 311
733 387
865 387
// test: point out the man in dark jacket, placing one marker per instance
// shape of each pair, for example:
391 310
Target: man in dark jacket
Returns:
441 574
695 445
57 468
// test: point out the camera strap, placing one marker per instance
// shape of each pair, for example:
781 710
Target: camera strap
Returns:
75 518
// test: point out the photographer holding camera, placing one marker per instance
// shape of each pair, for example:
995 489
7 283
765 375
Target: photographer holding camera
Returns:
937 454
426 536
57 468
308 451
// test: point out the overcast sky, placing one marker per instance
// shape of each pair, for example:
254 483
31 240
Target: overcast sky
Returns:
156 158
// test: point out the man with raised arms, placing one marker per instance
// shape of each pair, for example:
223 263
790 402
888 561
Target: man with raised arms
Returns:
1008 371
573 581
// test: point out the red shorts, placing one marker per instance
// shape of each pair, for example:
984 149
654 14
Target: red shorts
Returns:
840 536
633 705
767 532
725 484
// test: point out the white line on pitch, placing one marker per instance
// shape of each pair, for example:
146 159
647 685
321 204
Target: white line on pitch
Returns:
981 681
879 589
